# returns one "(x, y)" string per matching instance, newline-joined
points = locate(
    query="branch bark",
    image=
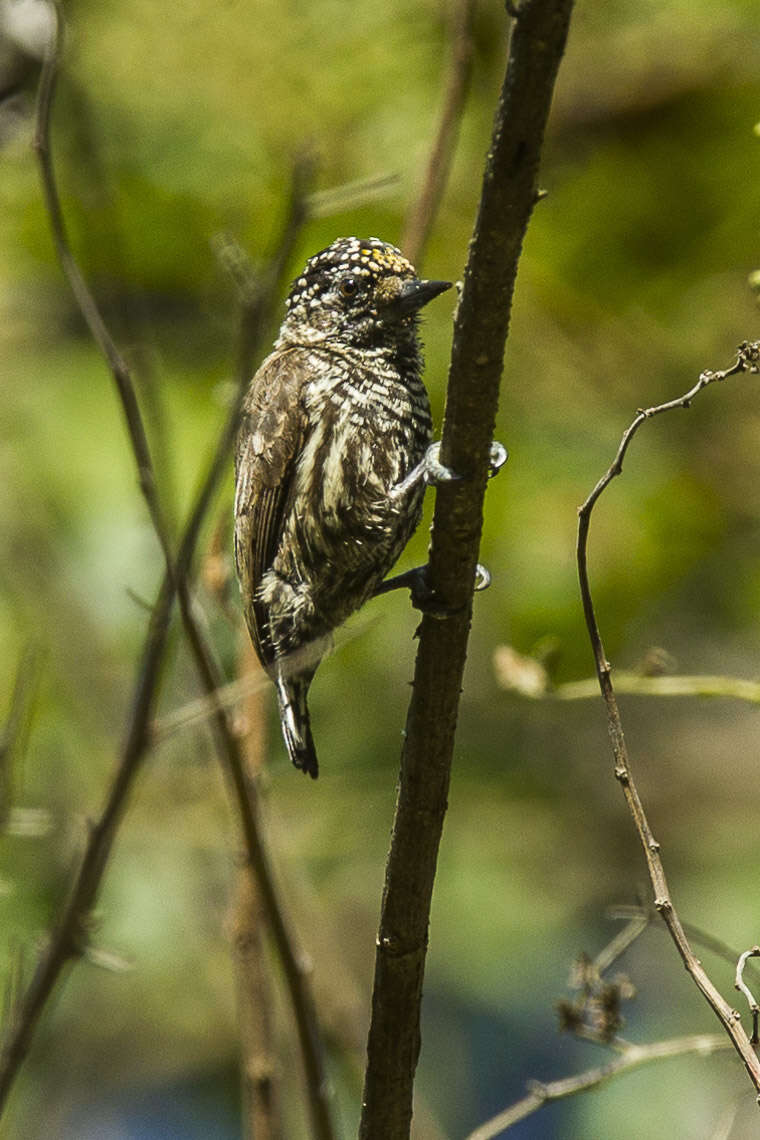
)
(508, 196)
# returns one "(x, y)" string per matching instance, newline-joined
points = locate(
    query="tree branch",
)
(507, 200)
(747, 359)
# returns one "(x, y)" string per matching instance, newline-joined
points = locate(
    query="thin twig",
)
(746, 361)
(70, 934)
(704, 1044)
(419, 221)
(615, 949)
(527, 677)
(507, 200)
(260, 1070)
(742, 986)
(689, 685)
(694, 933)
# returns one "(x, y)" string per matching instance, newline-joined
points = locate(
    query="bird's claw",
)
(423, 597)
(482, 578)
(433, 471)
(498, 457)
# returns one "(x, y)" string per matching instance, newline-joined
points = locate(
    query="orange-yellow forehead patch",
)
(385, 259)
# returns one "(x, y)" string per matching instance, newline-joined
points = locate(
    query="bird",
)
(333, 453)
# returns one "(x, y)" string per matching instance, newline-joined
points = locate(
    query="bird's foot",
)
(423, 596)
(432, 472)
(498, 457)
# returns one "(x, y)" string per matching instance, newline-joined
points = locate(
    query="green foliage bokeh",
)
(175, 124)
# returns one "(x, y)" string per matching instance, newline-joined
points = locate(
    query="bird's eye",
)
(349, 287)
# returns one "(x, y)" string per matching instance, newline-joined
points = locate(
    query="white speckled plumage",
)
(335, 419)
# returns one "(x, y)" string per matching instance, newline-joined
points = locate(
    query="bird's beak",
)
(415, 293)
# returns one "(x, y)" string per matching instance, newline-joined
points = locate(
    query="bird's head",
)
(360, 292)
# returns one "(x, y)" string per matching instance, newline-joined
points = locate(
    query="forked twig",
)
(574, 1018)
(747, 359)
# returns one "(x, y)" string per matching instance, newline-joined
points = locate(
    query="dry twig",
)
(747, 359)
(743, 988)
(540, 1093)
(580, 1017)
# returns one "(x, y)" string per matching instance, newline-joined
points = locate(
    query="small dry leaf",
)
(519, 674)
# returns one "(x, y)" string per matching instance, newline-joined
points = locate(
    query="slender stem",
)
(691, 685)
(633, 1057)
(507, 200)
(742, 986)
(746, 361)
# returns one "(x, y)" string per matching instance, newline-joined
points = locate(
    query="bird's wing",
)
(269, 442)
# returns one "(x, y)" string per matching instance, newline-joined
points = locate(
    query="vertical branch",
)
(420, 218)
(746, 361)
(507, 200)
(255, 981)
(259, 1076)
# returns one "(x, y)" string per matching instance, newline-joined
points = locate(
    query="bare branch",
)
(507, 200)
(421, 216)
(703, 1044)
(746, 361)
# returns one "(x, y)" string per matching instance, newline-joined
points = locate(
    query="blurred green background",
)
(175, 124)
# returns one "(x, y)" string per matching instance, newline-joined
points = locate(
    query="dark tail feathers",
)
(294, 719)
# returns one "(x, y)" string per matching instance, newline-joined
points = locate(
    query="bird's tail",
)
(294, 719)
